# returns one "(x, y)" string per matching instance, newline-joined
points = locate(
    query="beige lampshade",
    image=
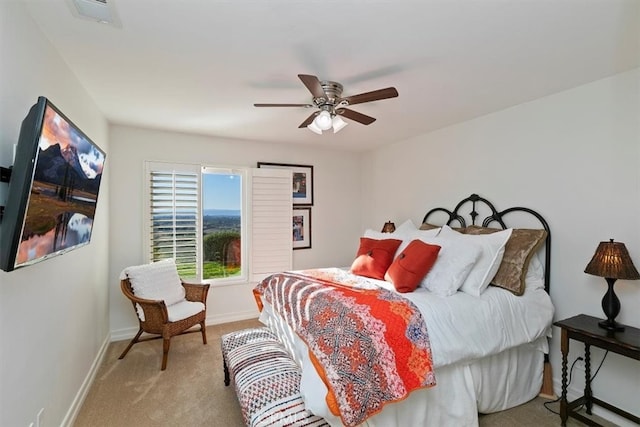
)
(612, 260)
(388, 227)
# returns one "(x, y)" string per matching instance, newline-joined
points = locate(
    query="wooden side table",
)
(585, 329)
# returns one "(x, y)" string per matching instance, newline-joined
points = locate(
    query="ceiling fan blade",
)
(313, 84)
(374, 95)
(354, 115)
(308, 120)
(283, 105)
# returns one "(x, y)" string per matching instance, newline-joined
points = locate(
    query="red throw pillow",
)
(374, 257)
(409, 268)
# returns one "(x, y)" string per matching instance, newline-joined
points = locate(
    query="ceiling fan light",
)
(338, 123)
(323, 120)
(314, 128)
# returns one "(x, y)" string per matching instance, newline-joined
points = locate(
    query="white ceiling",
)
(199, 65)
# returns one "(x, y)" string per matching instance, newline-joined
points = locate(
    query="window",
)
(221, 225)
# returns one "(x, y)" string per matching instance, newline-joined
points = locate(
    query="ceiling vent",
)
(101, 11)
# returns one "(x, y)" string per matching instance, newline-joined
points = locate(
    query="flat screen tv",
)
(53, 189)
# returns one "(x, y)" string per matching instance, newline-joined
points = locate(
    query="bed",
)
(467, 336)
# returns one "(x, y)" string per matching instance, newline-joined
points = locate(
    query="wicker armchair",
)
(182, 308)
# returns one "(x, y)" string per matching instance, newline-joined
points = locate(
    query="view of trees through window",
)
(221, 224)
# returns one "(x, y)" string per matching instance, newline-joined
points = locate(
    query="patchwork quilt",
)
(369, 345)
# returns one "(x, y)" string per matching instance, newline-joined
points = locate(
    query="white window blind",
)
(271, 228)
(174, 218)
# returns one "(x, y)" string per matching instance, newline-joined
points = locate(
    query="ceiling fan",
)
(327, 98)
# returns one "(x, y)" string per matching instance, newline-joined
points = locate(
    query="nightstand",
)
(585, 329)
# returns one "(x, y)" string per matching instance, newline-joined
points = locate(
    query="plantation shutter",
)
(271, 227)
(174, 218)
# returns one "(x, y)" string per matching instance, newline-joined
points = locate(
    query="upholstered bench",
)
(266, 380)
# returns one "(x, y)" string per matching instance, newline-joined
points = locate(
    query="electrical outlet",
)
(39, 421)
(580, 364)
(5, 174)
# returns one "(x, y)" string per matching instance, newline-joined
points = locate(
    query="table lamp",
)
(612, 261)
(388, 227)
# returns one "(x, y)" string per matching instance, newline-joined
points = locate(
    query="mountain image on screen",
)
(64, 166)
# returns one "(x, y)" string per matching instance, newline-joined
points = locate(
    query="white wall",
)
(335, 215)
(54, 316)
(574, 157)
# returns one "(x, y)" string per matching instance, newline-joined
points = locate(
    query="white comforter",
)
(462, 328)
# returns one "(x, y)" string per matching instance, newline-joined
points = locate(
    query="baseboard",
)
(573, 393)
(76, 404)
(216, 319)
(123, 334)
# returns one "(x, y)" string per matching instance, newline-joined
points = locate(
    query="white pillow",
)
(406, 227)
(454, 263)
(400, 232)
(372, 234)
(535, 274)
(424, 235)
(156, 281)
(492, 251)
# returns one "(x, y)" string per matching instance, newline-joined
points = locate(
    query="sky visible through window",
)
(221, 191)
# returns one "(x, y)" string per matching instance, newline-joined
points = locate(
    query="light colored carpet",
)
(191, 391)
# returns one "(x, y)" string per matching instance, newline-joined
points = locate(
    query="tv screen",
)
(53, 189)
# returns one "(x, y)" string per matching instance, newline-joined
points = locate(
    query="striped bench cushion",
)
(236, 339)
(266, 379)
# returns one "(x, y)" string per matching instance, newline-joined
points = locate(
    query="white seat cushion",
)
(156, 281)
(178, 311)
(183, 309)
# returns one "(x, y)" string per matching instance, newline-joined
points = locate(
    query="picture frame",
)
(301, 227)
(302, 181)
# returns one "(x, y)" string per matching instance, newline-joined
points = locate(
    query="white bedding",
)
(463, 329)
(491, 384)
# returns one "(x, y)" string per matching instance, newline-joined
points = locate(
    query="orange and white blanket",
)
(369, 345)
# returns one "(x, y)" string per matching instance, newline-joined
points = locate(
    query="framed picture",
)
(302, 181)
(301, 222)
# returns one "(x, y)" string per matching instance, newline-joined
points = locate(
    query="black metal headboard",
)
(496, 216)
